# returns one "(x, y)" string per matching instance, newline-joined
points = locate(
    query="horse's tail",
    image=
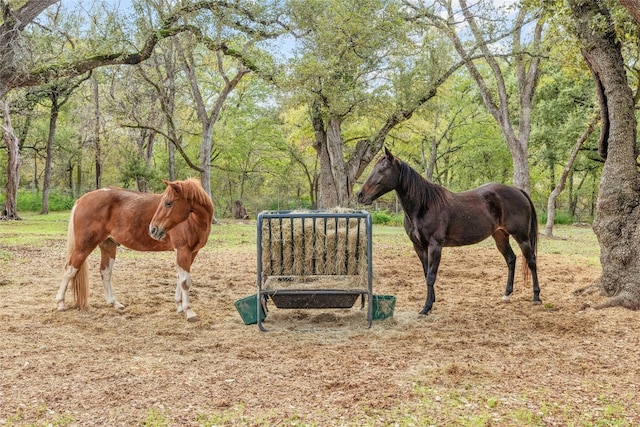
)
(533, 239)
(79, 282)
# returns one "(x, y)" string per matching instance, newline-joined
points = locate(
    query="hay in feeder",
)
(314, 246)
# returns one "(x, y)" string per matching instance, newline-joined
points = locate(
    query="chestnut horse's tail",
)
(533, 240)
(79, 282)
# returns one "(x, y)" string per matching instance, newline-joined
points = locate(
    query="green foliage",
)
(288, 204)
(559, 218)
(134, 169)
(384, 218)
(360, 60)
(32, 201)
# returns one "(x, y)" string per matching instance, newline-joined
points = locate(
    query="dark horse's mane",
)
(427, 193)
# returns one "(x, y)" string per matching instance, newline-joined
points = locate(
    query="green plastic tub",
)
(248, 309)
(383, 306)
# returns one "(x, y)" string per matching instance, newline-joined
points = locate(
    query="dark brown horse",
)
(435, 217)
(178, 220)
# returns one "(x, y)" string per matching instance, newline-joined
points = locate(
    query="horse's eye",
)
(167, 204)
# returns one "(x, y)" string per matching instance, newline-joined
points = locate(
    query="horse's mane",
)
(192, 190)
(423, 191)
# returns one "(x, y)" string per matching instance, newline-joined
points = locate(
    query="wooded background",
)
(284, 104)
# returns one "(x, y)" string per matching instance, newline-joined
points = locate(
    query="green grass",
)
(34, 228)
(572, 241)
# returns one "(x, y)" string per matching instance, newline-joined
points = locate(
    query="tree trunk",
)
(10, 211)
(496, 99)
(617, 223)
(208, 120)
(633, 7)
(145, 153)
(48, 167)
(328, 145)
(551, 203)
(205, 155)
(338, 172)
(520, 165)
(96, 132)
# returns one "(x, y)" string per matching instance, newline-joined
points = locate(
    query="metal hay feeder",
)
(314, 259)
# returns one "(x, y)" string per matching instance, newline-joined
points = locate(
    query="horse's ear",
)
(387, 153)
(173, 184)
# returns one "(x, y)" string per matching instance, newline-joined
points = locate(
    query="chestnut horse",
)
(435, 217)
(179, 219)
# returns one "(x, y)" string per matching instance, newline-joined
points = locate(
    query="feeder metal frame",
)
(288, 217)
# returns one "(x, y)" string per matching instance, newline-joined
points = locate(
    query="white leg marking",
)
(178, 297)
(184, 283)
(506, 298)
(66, 277)
(108, 289)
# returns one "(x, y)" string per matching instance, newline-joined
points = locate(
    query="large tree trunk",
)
(10, 210)
(617, 223)
(334, 182)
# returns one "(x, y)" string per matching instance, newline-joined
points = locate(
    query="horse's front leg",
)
(182, 295)
(108, 250)
(430, 259)
(178, 296)
(183, 286)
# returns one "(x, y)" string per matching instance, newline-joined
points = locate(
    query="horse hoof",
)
(423, 312)
(193, 319)
(506, 298)
(537, 302)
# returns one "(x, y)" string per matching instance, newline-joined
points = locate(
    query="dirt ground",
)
(473, 361)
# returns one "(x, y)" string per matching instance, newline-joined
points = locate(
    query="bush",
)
(32, 201)
(385, 218)
(560, 218)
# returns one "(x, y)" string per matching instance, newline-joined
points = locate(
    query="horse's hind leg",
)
(502, 242)
(108, 257)
(69, 273)
(530, 256)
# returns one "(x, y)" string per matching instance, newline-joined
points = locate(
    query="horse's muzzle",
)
(362, 199)
(156, 232)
